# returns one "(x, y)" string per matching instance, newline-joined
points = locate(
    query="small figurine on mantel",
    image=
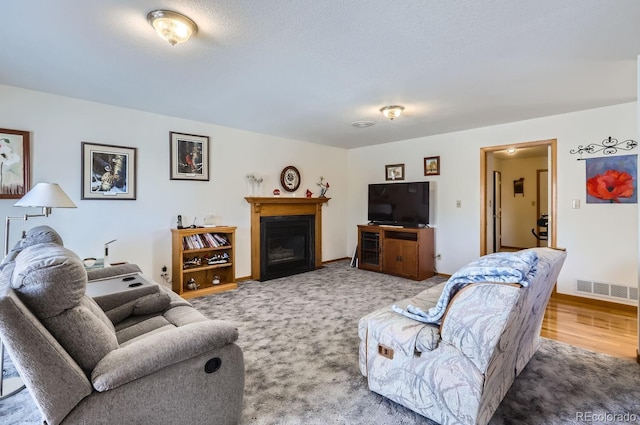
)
(324, 186)
(309, 193)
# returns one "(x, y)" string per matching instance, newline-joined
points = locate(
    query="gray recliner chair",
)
(140, 357)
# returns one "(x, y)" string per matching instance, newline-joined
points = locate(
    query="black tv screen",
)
(401, 204)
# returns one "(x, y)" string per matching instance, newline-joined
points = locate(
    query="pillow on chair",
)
(40, 234)
(51, 281)
(35, 235)
(48, 279)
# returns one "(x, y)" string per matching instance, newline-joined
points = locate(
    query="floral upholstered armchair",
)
(452, 355)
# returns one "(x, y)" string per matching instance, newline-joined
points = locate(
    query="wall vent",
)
(611, 290)
(600, 288)
(619, 291)
(584, 286)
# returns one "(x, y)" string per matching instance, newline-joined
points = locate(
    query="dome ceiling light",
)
(392, 111)
(172, 26)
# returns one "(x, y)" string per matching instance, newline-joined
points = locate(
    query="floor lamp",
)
(45, 196)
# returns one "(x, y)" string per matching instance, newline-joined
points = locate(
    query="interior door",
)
(497, 211)
(543, 206)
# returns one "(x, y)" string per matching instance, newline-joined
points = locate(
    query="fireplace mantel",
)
(279, 206)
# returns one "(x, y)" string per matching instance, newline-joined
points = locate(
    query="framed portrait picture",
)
(394, 172)
(14, 163)
(432, 166)
(189, 157)
(108, 172)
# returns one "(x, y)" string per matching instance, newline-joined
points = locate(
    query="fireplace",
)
(274, 209)
(286, 245)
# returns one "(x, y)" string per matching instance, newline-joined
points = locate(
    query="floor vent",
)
(607, 289)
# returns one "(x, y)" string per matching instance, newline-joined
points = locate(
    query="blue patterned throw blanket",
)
(502, 267)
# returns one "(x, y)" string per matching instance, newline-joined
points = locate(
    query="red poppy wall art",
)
(612, 180)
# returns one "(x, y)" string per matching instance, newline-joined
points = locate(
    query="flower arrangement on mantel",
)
(254, 185)
(324, 186)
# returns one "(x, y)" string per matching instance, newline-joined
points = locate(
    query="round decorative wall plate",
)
(290, 178)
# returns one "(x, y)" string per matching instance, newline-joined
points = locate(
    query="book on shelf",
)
(211, 240)
(204, 240)
(222, 239)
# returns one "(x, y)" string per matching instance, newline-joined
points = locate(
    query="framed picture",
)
(394, 172)
(518, 187)
(612, 180)
(108, 172)
(432, 166)
(189, 157)
(14, 163)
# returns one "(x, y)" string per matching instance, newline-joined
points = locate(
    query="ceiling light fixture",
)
(172, 26)
(392, 111)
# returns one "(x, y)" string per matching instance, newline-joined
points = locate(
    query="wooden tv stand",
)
(405, 252)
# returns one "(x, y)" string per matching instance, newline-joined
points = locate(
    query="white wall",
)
(58, 125)
(601, 239)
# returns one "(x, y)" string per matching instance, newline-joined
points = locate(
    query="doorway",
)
(491, 223)
(541, 229)
(497, 211)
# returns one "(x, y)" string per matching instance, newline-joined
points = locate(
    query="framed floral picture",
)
(432, 166)
(394, 172)
(612, 180)
(108, 172)
(14, 163)
(189, 157)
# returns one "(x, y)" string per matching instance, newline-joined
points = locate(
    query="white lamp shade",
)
(46, 195)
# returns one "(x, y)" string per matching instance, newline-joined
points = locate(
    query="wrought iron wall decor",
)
(608, 146)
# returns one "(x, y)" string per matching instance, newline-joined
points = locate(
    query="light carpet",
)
(299, 337)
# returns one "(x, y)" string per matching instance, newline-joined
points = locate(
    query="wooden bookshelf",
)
(202, 254)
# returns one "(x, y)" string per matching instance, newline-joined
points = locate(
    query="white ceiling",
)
(306, 69)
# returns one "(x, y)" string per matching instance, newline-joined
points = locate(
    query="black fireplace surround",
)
(287, 245)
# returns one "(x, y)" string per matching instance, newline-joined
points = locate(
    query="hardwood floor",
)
(601, 328)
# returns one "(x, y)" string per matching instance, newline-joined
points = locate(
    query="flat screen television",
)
(401, 204)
